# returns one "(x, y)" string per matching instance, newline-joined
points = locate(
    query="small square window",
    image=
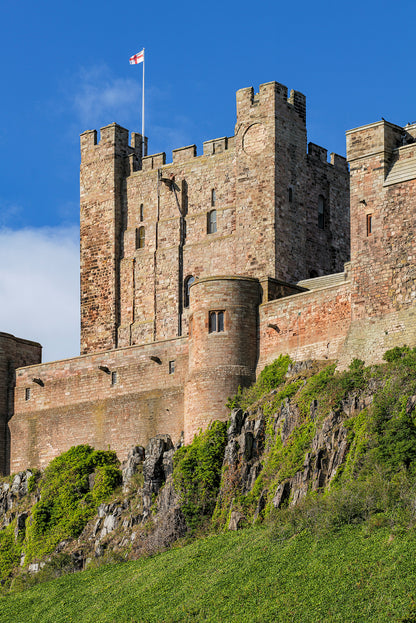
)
(171, 367)
(114, 378)
(27, 393)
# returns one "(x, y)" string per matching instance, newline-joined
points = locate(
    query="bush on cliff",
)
(197, 473)
(70, 489)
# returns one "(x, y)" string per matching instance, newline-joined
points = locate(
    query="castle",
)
(197, 273)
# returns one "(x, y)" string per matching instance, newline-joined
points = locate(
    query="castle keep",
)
(197, 273)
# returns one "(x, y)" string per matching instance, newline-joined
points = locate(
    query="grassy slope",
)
(349, 576)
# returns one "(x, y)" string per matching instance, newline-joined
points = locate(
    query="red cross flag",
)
(137, 58)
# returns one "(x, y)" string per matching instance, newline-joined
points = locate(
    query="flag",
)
(137, 58)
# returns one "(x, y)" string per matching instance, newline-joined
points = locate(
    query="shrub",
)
(68, 498)
(269, 378)
(197, 473)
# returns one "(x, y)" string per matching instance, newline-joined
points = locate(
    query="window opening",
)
(27, 393)
(186, 290)
(216, 321)
(321, 212)
(369, 224)
(212, 222)
(171, 367)
(213, 197)
(141, 212)
(140, 238)
(113, 378)
(290, 194)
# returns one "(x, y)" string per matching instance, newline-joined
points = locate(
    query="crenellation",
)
(337, 161)
(298, 101)
(88, 139)
(215, 146)
(315, 151)
(182, 154)
(154, 161)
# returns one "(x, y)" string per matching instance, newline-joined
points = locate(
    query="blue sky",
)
(65, 69)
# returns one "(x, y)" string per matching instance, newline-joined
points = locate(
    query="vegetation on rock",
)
(68, 494)
(323, 459)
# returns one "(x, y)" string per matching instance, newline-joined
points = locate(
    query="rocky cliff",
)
(301, 429)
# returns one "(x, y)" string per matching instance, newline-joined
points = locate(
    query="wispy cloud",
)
(98, 94)
(10, 214)
(97, 98)
(39, 288)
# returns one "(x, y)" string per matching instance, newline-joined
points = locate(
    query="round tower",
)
(222, 347)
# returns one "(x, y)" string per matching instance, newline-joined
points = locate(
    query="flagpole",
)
(143, 147)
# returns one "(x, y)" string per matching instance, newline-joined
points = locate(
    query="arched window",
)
(321, 212)
(212, 222)
(140, 238)
(186, 286)
(213, 197)
(141, 213)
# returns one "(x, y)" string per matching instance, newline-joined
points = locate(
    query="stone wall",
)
(14, 352)
(309, 325)
(382, 158)
(79, 400)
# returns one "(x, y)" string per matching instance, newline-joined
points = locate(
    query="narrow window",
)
(113, 378)
(369, 224)
(290, 194)
(140, 238)
(171, 367)
(321, 212)
(186, 290)
(220, 321)
(212, 222)
(216, 321)
(27, 393)
(141, 212)
(213, 197)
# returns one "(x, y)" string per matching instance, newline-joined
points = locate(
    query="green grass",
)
(352, 575)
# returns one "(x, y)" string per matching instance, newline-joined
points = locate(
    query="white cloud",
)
(98, 98)
(99, 95)
(39, 288)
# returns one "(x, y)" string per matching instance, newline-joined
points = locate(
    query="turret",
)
(222, 347)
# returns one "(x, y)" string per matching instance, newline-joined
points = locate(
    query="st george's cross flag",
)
(137, 58)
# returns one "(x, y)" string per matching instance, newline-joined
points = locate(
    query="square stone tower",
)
(258, 204)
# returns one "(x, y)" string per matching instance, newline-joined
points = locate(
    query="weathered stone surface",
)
(236, 519)
(131, 465)
(10, 494)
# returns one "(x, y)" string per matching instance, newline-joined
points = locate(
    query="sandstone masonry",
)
(197, 273)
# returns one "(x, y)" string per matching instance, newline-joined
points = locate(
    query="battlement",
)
(112, 137)
(321, 154)
(247, 99)
(212, 147)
